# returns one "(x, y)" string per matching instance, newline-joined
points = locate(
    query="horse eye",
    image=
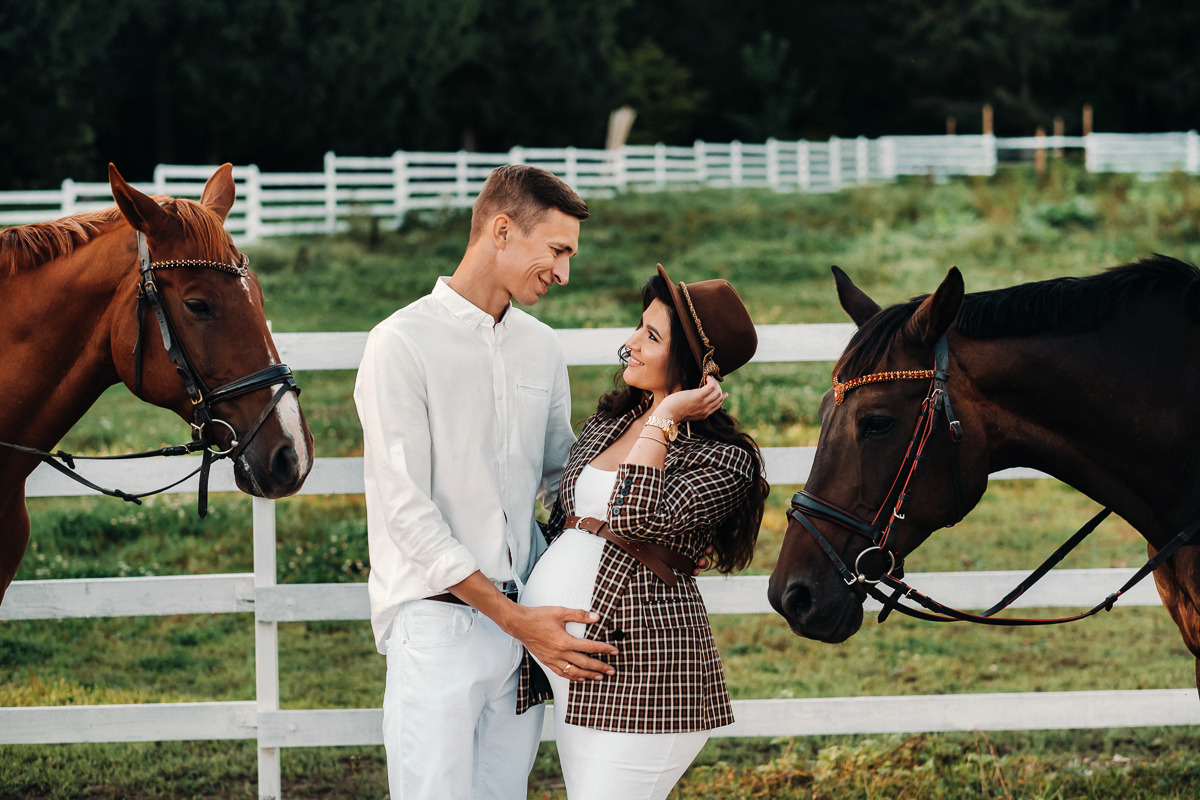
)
(200, 308)
(876, 427)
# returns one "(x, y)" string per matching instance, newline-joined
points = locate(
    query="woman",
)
(660, 477)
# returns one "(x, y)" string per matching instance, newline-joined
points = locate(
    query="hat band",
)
(708, 364)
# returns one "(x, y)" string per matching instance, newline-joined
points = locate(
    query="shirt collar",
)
(464, 309)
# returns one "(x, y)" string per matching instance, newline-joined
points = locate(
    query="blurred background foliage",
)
(278, 83)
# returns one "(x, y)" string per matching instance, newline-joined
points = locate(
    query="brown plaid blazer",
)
(668, 673)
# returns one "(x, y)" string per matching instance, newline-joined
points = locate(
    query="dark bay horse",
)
(1093, 380)
(151, 293)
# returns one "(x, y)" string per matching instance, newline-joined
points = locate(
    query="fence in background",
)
(273, 727)
(389, 188)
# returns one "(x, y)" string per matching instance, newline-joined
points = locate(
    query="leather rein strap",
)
(203, 399)
(888, 566)
(658, 558)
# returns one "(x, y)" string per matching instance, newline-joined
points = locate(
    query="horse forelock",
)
(201, 227)
(27, 246)
(873, 340)
(1078, 304)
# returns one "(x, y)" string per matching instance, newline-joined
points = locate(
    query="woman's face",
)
(650, 351)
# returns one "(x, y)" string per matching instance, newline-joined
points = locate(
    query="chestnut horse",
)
(1092, 380)
(151, 293)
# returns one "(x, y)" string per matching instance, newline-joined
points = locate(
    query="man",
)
(465, 409)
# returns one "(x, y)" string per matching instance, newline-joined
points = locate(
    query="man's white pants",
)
(450, 725)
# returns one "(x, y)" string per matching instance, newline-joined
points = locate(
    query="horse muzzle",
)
(826, 611)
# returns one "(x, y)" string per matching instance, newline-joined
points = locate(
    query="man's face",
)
(530, 263)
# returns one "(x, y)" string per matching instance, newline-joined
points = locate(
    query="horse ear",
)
(938, 311)
(219, 192)
(141, 211)
(855, 302)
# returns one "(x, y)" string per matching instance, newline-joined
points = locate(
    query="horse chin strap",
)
(882, 564)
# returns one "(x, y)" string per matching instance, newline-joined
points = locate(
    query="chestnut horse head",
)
(154, 294)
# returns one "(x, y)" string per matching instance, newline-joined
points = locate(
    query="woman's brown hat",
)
(718, 326)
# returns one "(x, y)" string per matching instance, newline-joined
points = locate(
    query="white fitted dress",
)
(596, 764)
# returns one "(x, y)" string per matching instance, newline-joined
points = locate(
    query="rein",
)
(881, 564)
(204, 420)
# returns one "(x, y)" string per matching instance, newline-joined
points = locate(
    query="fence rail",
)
(274, 728)
(388, 188)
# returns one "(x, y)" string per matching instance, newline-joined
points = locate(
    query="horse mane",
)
(27, 246)
(1075, 304)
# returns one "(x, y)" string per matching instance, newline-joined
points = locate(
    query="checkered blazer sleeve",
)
(699, 487)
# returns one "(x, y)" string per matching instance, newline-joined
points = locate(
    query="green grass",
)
(895, 241)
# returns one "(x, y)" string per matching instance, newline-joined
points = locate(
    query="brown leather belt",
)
(658, 558)
(447, 597)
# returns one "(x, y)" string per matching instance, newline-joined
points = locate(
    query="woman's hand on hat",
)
(693, 404)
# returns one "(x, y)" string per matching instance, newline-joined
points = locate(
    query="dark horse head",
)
(862, 466)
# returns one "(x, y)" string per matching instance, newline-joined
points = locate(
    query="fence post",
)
(516, 155)
(735, 162)
(330, 192)
(862, 161)
(400, 186)
(266, 647)
(835, 163)
(68, 198)
(701, 155)
(160, 179)
(660, 165)
(1192, 159)
(620, 168)
(460, 175)
(253, 204)
(572, 168)
(803, 166)
(773, 177)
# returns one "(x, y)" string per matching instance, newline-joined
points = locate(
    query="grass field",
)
(895, 241)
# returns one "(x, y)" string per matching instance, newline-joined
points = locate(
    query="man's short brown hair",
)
(525, 194)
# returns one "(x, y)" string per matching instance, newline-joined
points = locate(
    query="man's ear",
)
(501, 225)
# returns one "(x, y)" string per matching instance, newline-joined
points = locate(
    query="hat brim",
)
(684, 312)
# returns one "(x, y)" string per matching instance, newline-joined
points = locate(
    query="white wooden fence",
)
(274, 728)
(388, 188)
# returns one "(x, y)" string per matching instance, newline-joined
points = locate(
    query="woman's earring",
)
(623, 354)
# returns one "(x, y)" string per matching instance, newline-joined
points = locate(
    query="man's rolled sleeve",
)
(393, 409)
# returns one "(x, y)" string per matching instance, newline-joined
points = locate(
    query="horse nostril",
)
(285, 465)
(797, 600)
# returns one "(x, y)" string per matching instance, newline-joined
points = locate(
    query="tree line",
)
(279, 82)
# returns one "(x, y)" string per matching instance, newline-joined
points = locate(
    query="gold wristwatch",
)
(670, 427)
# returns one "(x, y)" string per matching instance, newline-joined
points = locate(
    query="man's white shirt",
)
(465, 421)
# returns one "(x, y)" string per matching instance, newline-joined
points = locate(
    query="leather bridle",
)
(204, 420)
(888, 567)
(895, 503)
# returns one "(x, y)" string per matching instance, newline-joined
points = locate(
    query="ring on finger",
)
(567, 668)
